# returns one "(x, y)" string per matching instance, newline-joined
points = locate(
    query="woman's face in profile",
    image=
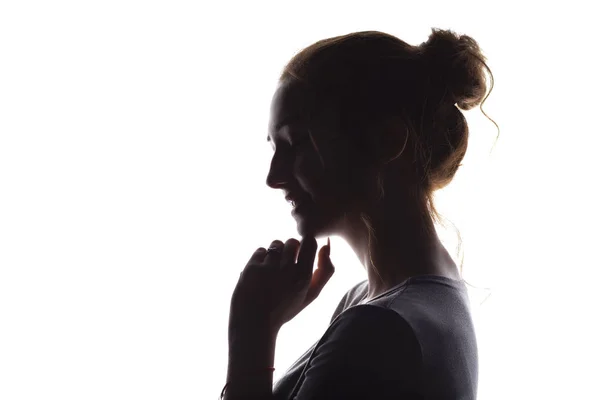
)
(315, 169)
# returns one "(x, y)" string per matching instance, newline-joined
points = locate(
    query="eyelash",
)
(295, 145)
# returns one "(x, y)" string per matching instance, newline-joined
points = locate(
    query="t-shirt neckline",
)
(417, 278)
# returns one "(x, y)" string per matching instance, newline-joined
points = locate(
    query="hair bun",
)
(457, 65)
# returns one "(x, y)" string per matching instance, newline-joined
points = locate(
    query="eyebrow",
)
(285, 121)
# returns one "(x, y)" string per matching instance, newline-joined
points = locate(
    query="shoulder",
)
(349, 298)
(375, 336)
(375, 325)
(368, 351)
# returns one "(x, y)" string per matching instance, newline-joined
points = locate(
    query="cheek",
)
(309, 173)
(330, 185)
(348, 181)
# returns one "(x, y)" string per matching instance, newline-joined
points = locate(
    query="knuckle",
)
(292, 241)
(251, 269)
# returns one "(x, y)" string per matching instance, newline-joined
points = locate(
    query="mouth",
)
(296, 204)
(298, 208)
(292, 200)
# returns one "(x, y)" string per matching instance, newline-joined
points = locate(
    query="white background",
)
(132, 190)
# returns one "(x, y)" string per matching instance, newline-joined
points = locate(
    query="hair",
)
(370, 76)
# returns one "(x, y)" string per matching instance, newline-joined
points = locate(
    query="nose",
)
(278, 175)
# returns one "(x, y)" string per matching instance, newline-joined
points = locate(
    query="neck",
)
(395, 241)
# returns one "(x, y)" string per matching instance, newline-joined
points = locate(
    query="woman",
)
(364, 129)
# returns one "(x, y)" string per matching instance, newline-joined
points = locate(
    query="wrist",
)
(252, 351)
(251, 330)
(250, 368)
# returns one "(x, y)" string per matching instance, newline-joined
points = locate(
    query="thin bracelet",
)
(225, 387)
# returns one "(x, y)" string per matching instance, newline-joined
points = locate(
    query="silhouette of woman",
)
(365, 128)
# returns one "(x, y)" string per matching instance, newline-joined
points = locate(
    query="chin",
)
(306, 230)
(309, 225)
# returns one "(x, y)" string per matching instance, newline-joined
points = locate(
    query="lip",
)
(295, 199)
(298, 208)
(299, 202)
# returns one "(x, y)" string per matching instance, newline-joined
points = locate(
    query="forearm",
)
(251, 353)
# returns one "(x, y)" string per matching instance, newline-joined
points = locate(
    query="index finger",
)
(306, 257)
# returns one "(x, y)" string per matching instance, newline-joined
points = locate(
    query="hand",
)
(273, 288)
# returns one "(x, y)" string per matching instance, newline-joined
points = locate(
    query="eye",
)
(297, 142)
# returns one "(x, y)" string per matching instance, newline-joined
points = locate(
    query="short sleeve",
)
(369, 352)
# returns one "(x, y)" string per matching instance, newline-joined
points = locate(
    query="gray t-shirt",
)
(415, 341)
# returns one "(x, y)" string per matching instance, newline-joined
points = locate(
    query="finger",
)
(321, 276)
(274, 257)
(306, 258)
(290, 253)
(324, 260)
(317, 283)
(258, 256)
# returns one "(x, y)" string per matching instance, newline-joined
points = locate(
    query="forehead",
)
(294, 103)
(289, 100)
